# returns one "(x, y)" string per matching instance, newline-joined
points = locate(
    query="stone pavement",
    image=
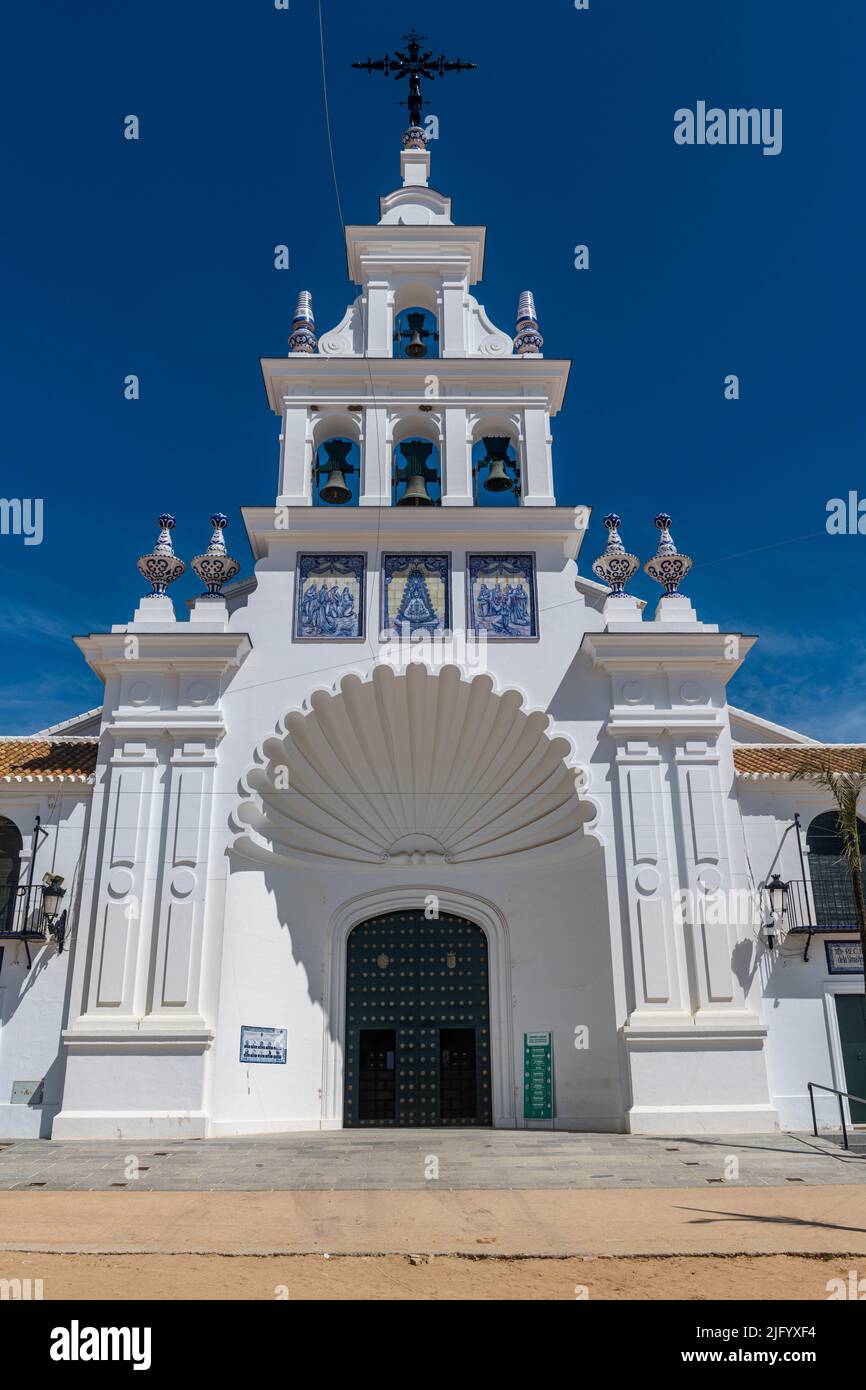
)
(353, 1160)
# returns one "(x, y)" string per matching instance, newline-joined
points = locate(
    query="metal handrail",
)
(816, 1085)
(21, 910)
(821, 903)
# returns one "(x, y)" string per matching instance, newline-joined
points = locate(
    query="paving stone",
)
(498, 1160)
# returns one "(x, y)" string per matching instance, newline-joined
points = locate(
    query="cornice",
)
(472, 528)
(182, 650)
(658, 650)
(400, 248)
(398, 383)
(679, 723)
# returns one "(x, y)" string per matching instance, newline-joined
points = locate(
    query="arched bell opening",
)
(416, 471)
(10, 868)
(496, 480)
(416, 334)
(336, 471)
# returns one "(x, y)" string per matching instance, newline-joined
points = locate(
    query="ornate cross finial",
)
(415, 63)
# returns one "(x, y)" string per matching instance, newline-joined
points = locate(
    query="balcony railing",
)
(22, 914)
(825, 903)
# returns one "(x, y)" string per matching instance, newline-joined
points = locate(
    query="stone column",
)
(453, 319)
(296, 457)
(538, 459)
(380, 318)
(375, 463)
(456, 459)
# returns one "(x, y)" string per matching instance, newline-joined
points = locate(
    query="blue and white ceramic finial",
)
(216, 567)
(303, 335)
(616, 566)
(161, 567)
(415, 138)
(527, 336)
(667, 567)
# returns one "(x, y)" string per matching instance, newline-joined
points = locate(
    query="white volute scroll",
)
(412, 768)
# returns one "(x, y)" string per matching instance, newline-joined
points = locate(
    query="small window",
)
(832, 891)
(10, 868)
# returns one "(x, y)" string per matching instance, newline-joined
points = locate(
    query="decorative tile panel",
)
(329, 605)
(416, 593)
(501, 596)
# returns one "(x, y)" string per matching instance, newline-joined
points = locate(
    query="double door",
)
(417, 1022)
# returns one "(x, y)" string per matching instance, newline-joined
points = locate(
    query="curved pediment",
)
(418, 767)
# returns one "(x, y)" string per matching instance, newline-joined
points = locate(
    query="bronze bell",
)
(416, 474)
(335, 489)
(416, 333)
(416, 494)
(497, 461)
(416, 347)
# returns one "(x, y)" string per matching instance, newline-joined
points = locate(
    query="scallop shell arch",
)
(416, 767)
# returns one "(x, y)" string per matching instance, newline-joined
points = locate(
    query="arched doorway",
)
(417, 1022)
(10, 866)
(832, 891)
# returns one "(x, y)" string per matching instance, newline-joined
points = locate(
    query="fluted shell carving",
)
(411, 768)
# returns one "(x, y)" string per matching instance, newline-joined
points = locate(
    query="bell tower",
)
(415, 360)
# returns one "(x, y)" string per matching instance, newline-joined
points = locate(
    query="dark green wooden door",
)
(851, 1012)
(417, 1022)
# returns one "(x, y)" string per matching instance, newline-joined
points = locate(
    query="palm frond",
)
(846, 789)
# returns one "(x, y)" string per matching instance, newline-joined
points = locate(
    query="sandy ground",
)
(672, 1221)
(304, 1277)
(763, 1243)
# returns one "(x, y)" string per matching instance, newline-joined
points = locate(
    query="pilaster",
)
(695, 1050)
(136, 997)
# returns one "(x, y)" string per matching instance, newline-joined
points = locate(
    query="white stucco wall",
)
(797, 995)
(33, 1001)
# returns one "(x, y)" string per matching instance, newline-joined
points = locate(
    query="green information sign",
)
(537, 1076)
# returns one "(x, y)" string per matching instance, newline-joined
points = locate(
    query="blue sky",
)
(155, 257)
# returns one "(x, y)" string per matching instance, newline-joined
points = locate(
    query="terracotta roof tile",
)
(780, 760)
(47, 757)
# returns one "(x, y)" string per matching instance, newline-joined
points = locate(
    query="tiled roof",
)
(781, 759)
(32, 759)
(71, 728)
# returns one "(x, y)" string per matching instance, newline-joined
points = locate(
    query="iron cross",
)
(414, 64)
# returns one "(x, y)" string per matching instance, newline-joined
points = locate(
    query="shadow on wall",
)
(556, 958)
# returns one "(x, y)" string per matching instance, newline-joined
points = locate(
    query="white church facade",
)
(420, 825)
